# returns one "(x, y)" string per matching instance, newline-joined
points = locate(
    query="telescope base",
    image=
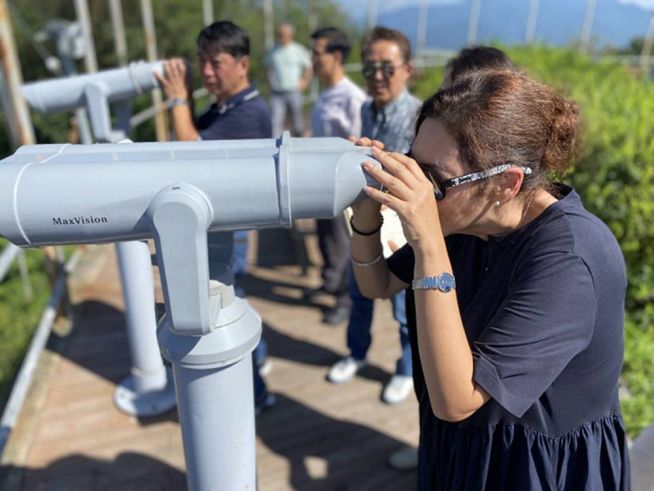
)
(145, 404)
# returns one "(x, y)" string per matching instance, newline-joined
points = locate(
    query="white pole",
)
(120, 41)
(588, 25)
(421, 29)
(372, 13)
(161, 123)
(312, 16)
(11, 79)
(268, 23)
(647, 48)
(207, 12)
(473, 22)
(530, 32)
(83, 17)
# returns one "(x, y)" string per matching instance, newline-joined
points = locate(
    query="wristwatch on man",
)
(177, 101)
(444, 282)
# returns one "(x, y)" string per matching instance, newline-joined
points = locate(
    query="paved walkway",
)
(318, 436)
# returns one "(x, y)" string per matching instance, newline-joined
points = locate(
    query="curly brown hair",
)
(501, 116)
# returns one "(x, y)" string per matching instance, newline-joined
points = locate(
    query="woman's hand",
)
(367, 211)
(173, 82)
(409, 193)
(364, 141)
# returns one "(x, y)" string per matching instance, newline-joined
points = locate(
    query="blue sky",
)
(559, 22)
(385, 5)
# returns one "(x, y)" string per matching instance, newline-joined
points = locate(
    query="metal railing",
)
(10, 254)
(25, 375)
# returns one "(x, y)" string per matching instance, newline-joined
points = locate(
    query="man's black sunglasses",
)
(369, 69)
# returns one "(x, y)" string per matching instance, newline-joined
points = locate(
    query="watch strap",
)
(177, 101)
(444, 282)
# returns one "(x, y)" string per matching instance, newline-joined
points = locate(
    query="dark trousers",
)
(335, 244)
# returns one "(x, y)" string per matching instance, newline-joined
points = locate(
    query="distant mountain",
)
(559, 22)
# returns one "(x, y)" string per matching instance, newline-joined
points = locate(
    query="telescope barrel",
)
(68, 93)
(61, 194)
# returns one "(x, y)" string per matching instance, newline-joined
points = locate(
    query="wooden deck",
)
(318, 436)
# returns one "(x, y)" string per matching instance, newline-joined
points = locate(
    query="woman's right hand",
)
(366, 210)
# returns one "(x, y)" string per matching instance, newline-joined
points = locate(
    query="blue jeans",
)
(259, 358)
(218, 246)
(358, 329)
(260, 353)
(240, 253)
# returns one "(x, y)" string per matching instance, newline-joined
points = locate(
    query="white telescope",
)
(176, 192)
(93, 91)
(63, 194)
(147, 390)
(69, 93)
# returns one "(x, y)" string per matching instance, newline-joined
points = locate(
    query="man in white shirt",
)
(336, 113)
(288, 67)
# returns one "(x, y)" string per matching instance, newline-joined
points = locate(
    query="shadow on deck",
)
(318, 435)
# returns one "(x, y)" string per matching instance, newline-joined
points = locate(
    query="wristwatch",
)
(177, 101)
(444, 282)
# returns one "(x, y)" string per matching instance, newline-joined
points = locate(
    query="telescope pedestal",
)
(148, 390)
(175, 193)
(215, 394)
(130, 400)
(207, 334)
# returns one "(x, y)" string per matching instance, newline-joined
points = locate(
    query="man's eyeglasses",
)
(441, 186)
(387, 68)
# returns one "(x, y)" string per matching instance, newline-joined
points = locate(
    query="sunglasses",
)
(441, 186)
(387, 68)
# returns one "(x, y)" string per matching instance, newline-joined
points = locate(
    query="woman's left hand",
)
(409, 193)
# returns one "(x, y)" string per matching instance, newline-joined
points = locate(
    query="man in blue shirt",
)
(239, 112)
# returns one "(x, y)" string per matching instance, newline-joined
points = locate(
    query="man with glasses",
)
(239, 112)
(337, 112)
(389, 116)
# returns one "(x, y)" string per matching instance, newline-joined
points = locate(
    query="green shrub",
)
(615, 177)
(19, 316)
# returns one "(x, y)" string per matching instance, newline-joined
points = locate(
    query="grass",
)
(19, 316)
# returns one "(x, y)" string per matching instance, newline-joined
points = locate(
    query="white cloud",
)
(643, 4)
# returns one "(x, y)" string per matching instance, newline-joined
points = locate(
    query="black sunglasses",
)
(440, 186)
(369, 69)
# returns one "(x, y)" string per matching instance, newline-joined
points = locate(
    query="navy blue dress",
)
(543, 310)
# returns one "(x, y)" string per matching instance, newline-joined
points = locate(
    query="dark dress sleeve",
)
(546, 320)
(401, 263)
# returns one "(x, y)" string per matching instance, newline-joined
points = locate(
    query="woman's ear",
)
(510, 184)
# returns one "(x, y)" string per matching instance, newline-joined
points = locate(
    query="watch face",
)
(445, 282)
